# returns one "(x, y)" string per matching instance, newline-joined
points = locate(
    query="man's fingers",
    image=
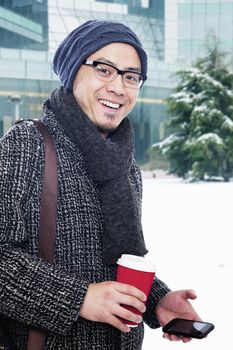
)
(132, 301)
(130, 290)
(117, 323)
(173, 337)
(128, 315)
(104, 302)
(190, 294)
(186, 340)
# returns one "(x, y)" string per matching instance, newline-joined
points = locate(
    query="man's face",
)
(107, 103)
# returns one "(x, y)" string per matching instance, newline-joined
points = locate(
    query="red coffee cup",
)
(136, 271)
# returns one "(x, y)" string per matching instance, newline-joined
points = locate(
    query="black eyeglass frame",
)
(93, 63)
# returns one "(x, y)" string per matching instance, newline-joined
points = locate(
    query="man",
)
(102, 67)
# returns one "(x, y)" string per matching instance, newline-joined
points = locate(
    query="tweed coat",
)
(32, 292)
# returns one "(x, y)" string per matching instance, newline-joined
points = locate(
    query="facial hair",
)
(106, 130)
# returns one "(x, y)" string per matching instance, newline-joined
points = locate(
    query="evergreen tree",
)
(201, 107)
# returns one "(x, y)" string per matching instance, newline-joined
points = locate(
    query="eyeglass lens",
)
(109, 73)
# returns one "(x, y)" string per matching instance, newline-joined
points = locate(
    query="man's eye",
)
(103, 70)
(132, 77)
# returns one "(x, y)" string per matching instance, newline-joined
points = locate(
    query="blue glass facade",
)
(24, 24)
(201, 21)
(26, 56)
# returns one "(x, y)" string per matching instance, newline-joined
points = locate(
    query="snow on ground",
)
(188, 229)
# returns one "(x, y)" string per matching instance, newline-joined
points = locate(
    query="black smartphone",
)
(188, 328)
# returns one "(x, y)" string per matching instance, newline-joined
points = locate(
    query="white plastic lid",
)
(136, 262)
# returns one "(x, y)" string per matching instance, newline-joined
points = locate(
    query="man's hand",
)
(176, 304)
(103, 303)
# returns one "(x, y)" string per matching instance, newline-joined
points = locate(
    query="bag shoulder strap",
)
(48, 219)
(48, 211)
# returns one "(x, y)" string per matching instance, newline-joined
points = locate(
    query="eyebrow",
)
(104, 60)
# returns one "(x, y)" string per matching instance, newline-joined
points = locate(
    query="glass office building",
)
(24, 58)
(173, 33)
(24, 24)
(26, 69)
(191, 24)
(199, 21)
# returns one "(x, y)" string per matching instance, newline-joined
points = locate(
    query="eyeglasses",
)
(106, 72)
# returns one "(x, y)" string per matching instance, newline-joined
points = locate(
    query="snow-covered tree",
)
(201, 144)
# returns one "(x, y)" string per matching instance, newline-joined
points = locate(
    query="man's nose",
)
(117, 85)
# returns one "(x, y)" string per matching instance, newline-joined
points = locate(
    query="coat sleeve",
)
(158, 290)
(32, 291)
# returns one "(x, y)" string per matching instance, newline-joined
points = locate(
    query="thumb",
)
(190, 294)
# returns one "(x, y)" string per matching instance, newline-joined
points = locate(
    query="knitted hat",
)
(87, 39)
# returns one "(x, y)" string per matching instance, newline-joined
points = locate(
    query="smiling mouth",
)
(110, 104)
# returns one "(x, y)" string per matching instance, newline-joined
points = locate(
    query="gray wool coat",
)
(34, 293)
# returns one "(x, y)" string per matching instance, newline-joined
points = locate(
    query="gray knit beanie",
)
(87, 39)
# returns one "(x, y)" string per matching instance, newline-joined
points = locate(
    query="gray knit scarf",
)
(108, 162)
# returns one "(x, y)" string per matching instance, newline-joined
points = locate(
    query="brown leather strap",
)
(48, 219)
(48, 212)
(36, 339)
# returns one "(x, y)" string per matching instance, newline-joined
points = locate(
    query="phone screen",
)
(188, 328)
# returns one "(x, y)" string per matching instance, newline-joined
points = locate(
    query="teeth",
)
(110, 104)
